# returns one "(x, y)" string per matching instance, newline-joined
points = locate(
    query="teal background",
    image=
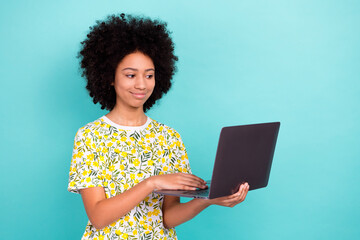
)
(240, 62)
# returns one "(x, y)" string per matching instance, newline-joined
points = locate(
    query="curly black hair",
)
(109, 41)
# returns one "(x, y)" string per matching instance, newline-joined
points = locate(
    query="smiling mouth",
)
(138, 95)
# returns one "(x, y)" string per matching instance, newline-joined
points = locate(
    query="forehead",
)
(136, 60)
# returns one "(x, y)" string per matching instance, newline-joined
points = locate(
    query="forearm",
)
(109, 210)
(179, 213)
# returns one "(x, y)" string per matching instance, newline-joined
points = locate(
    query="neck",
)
(127, 116)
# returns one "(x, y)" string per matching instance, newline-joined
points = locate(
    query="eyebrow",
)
(134, 69)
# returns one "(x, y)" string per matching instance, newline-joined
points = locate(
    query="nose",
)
(140, 83)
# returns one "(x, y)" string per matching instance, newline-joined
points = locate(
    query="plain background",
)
(240, 62)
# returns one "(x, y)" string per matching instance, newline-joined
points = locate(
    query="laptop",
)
(244, 154)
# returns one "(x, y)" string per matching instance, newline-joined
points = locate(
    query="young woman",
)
(120, 158)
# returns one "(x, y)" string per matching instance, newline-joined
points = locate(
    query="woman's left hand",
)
(232, 200)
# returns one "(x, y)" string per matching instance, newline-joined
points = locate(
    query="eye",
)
(130, 75)
(149, 76)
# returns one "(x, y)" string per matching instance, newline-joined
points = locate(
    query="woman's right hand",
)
(177, 181)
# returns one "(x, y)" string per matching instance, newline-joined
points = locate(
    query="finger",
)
(243, 187)
(195, 178)
(189, 183)
(238, 197)
(241, 193)
(233, 200)
(192, 176)
(229, 202)
(194, 182)
(183, 187)
(234, 197)
(244, 193)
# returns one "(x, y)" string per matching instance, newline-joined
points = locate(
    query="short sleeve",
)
(84, 167)
(183, 164)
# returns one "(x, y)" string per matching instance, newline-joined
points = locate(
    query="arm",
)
(103, 211)
(176, 213)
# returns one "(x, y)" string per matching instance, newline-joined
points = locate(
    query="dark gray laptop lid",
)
(244, 154)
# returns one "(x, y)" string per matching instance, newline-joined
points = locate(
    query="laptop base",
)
(200, 193)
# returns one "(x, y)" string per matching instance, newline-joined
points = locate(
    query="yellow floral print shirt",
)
(117, 158)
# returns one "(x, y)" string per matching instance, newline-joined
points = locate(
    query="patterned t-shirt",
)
(117, 158)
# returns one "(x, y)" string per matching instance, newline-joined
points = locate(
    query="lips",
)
(138, 95)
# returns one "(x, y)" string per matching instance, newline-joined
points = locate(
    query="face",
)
(134, 80)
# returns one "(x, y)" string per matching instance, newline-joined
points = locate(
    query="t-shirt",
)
(116, 158)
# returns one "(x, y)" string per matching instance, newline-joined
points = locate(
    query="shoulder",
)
(95, 127)
(165, 130)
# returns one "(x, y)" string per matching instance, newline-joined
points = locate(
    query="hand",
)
(177, 181)
(232, 200)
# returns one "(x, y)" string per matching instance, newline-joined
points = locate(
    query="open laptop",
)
(244, 154)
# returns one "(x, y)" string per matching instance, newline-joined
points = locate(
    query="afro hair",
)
(109, 41)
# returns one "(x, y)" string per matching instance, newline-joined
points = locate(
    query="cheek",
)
(121, 85)
(121, 92)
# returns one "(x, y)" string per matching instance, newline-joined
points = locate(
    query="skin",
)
(134, 82)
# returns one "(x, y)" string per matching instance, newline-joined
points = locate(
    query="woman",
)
(120, 158)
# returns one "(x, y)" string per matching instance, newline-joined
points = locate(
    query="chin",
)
(136, 106)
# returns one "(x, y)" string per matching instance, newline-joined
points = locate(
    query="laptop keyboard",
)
(201, 192)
